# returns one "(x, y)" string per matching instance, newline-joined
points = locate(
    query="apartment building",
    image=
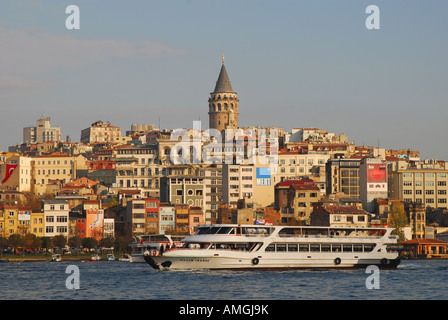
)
(16, 174)
(57, 167)
(42, 132)
(301, 198)
(293, 164)
(167, 214)
(56, 214)
(342, 175)
(136, 213)
(138, 167)
(237, 183)
(101, 132)
(421, 185)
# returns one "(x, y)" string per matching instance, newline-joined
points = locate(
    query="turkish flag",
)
(9, 170)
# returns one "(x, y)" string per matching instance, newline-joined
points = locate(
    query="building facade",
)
(100, 132)
(56, 214)
(426, 186)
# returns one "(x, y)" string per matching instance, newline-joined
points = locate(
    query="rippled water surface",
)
(422, 280)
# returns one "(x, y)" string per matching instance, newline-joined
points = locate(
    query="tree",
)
(15, 241)
(398, 219)
(89, 243)
(59, 241)
(31, 241)
(107, 242)
(46, 241)
(3, 244)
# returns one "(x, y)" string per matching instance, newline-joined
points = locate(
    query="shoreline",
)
(47, 258)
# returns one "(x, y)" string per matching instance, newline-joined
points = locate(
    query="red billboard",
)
(377, 177)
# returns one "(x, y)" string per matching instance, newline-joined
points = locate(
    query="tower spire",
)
(223, 58)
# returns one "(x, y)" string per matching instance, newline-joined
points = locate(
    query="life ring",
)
(337, 261)
(255, 261)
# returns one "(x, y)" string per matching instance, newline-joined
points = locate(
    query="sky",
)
(293, 64)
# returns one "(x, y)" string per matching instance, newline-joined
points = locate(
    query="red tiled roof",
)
(424, 241)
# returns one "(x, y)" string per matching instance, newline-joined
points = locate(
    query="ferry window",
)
(270, 247)
(213, 230)
(281, 247)
(368, 247)
(304, 248)
(224, 230)
(201, 230)
(336, 248)
(314, 247)
(292, 247)
(347, 247)
(357, 247)
(325, 248)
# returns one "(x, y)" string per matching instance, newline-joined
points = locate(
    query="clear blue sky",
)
(293, 64)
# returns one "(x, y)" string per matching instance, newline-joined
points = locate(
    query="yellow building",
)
(37, 225)
(8, 220)
(55, 169)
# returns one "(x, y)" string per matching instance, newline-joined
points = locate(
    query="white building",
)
(56, 217)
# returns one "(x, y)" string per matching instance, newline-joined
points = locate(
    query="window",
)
(292, 247)
(179, 192)
(49, 219)
(61, 219)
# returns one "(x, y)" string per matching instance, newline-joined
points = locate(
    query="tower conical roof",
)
(223, 82)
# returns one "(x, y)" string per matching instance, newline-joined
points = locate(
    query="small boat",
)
(56, 258)
(124, 257)
(110, 257)
(95, 257)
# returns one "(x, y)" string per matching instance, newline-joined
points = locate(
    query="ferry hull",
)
(223, 263)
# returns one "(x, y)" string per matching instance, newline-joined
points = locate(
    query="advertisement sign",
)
(24, 215)
(94, 224)
(263, 176)
(377, 177)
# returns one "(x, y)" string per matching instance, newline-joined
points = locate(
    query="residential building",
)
(100, 132)
(333, 214)
(136, 213)
(167, 220)
(182, 218)
(16, 174)
(343, 176)
(59, 167)
(37, 224)
(294, 164)
(237, 183)
(56, 214)
(42, 132)
(301, 198)
(422, 185)
(195, 219)
(152, 215)
(183, 189)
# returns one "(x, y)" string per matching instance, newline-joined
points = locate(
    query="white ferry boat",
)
(228, 246)
(153, 243)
